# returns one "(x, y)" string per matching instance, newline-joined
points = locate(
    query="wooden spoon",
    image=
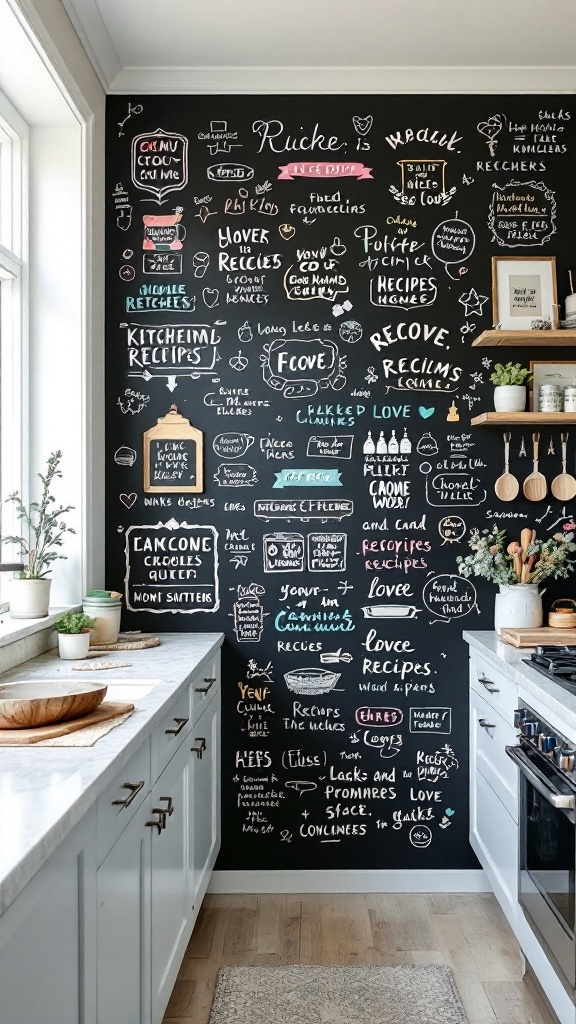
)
(506, 486)
(535, 486)
(563, 486)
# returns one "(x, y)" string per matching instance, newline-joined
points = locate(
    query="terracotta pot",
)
(29, 599)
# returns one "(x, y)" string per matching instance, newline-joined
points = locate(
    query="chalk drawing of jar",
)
(163, 231)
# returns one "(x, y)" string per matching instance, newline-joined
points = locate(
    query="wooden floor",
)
(467, 932)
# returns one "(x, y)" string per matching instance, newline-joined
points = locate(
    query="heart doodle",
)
(362, 124)
(210, 296)
(450, 811)
(287, 231)
(128, 499)
(426, 413)
(491, 127)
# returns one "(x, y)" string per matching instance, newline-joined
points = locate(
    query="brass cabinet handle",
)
(485, 724)
(134, 788)
(161, 823)
(204, 689)
(170, 808)
(180, 723)
(200, 749)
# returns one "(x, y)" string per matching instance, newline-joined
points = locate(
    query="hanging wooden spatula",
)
(506, 486)
(535, 486)
(563, 486)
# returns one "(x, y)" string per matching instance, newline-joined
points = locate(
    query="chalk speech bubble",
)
(238, 475)
(449, 597)
(232, 445)
(451, 529)
(300, 786)
(453, 241)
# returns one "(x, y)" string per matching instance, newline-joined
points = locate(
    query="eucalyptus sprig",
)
(43, 527)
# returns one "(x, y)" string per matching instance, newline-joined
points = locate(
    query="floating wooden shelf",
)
(555, 339)
(511, 419)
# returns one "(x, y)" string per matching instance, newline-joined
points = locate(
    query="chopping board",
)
(535, 637)
(107, 710)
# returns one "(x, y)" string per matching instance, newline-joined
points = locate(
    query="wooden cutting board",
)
(107, 710)
(534, 637)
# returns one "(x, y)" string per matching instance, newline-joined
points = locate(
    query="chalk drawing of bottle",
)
(381, 446)
(405, 444)
(393, 446)
(369, 446)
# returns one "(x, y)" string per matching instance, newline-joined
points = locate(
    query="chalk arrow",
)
(171, 382)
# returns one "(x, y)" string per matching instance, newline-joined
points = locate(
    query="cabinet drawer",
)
(204, 686)
(496, 688)
(168, 736)
(496, 844)
(490, 734)
(118, 804)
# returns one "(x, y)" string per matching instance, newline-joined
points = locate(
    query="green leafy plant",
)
(74, 622)
(43, 527)
(512, 373)
(528, 561)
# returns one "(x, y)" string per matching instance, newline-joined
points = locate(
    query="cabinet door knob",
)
(199, 750)
(180, 723)
(170, 805)
(134, 788)
(485, 724)
(161, 823)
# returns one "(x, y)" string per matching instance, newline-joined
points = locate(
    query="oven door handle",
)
(562, 801)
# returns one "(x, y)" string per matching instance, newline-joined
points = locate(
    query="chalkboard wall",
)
(302, 278)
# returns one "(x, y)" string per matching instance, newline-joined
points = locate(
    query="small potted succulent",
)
(42, 532)
(510, 389)
(74, 630)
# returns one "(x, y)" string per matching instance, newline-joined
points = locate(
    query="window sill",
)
(12, 630)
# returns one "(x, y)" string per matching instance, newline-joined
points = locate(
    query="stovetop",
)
(557, 663)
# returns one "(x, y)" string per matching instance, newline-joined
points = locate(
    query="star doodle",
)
(472, 302)
(486, 363)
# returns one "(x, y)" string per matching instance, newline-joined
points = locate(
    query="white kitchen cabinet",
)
(123, 887)
(47, 940)
(494, 784)
(171, 899)
(205, 799)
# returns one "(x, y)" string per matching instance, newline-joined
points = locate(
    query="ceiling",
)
(329, 45)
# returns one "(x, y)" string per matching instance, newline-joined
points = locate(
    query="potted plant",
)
(73, 630)
(510, 390)
(519, 568)
(43, 529)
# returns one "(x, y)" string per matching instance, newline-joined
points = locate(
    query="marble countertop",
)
(552, 699)
(45, 791)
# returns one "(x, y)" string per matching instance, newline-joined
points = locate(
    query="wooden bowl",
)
(45, 701)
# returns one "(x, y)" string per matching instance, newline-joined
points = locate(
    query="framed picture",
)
(561, 373)
(524, 293)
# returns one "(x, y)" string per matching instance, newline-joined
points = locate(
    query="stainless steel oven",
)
(548, 839)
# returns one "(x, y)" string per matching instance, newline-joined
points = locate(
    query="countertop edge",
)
(165, 695)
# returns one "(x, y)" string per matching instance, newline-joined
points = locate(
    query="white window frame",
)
(14, 316)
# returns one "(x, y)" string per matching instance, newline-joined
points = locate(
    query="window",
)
(13, 294)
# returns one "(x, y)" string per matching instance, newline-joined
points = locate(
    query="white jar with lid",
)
(106, 610)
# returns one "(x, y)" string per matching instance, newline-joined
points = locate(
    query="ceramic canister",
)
(570, 399)
(550, 398)
(106, 611)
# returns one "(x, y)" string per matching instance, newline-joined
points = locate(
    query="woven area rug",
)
(336, 995)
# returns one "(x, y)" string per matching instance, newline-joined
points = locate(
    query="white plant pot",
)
(510, 398)
(73, 646)
(29, 599)
(518, 606)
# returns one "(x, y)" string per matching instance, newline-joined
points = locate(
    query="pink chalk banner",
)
(323, 170)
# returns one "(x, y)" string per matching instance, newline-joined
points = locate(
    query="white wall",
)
(67, 396)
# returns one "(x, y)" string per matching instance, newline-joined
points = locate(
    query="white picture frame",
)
(524, 291)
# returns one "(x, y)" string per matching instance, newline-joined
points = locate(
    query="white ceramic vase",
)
(510, 398)
(73, 646)
(29, 599)
(518, 606)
